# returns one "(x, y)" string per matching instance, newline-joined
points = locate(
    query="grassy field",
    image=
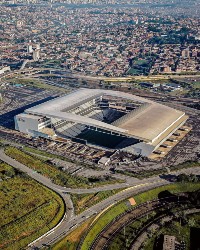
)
(70, 242)
(141, 62)
(83, 201)
(134, 71)
(44, 153)
(121, 207)
(196, 85)
(28, 209)
(55, 174)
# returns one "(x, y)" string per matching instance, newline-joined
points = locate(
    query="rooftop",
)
(152, 121)
(75, 98)
(147, 124)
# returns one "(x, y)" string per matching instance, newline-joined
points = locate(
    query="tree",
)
(191, 222)
(193, 178)
(182, 178)
(195, 197)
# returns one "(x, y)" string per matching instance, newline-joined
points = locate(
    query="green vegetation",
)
(190, 88)
(58, 176)
(172, 188)
(83, 201)
(172, 36)
(44, 153)
(196, 85)
(134, 71)
(180, 230)
(50, 155)
(107, 217)
(121, 207)
(133, 229)
(140, 65)
(184, 178)
(141, 62)
(28, 209)
(70, 242)
(130, 231)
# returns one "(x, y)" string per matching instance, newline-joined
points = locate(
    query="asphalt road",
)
(76, 75)
(70, 221)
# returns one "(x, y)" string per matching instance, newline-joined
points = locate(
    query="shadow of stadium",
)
(7, 119)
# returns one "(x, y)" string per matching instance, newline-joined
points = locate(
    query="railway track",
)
(105, 237)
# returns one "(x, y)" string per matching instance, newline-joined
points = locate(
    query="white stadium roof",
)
(147, 125)
(74, 98)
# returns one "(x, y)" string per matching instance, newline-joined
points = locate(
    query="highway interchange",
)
(70, 220)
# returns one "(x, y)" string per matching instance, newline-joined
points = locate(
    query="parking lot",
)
(18, 98)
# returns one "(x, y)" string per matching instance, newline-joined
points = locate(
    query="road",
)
(110, 79)
(70, 221)
(150, 77)
(38, 177)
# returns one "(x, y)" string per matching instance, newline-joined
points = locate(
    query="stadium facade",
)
(107, 118)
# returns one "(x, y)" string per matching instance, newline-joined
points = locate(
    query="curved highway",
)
(70, 221)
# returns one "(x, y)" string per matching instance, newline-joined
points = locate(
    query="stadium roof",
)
(77, 97)
(152, 121)
(148, 124)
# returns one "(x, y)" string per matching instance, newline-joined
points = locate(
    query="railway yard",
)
(105, 238)
(141, 221)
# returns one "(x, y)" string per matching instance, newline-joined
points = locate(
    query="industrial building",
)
(105, 118)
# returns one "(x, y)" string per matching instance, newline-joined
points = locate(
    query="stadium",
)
(105, 118)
